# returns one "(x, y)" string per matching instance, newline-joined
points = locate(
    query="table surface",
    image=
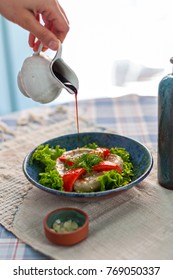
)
(131, 115)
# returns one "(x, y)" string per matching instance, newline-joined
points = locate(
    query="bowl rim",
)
(90, 194)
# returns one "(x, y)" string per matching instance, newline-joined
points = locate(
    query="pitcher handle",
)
(59, 51)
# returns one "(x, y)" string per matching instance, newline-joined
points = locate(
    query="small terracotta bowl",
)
(64, 215)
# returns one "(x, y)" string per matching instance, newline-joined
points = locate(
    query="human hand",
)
(28, 13)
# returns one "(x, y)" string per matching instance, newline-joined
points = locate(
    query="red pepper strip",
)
(66, 160)
(106, 166)
(103, 152)
(70, 177)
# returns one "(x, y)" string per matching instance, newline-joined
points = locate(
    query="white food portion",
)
(88, 183)
(72, 155)
(116, 159)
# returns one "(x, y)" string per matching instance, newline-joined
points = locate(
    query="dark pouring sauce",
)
(57, 71)
(73, 89)
(77, 115)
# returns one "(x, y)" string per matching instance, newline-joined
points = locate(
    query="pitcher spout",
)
(63, 73)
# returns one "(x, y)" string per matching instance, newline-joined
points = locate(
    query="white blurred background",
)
(116, 47)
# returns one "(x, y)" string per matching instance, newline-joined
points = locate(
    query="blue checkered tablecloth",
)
(131, 115)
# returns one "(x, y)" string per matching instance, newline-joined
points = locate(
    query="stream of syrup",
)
(77, 114)
(77, 121)
(70, 86)
(73, 89)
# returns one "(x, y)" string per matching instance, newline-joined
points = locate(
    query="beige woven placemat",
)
(134, 224)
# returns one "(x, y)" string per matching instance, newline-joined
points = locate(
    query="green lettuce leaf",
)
(113, 179)
(122, 152)
(91, 146)
(51, 179)
(47, 155)
(110, 180)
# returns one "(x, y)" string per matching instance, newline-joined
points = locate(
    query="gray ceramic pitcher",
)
(42, 78)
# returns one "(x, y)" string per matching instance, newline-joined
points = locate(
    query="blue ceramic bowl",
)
(140, 156)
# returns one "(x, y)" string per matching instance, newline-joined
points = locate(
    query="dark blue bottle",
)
(165, 131)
